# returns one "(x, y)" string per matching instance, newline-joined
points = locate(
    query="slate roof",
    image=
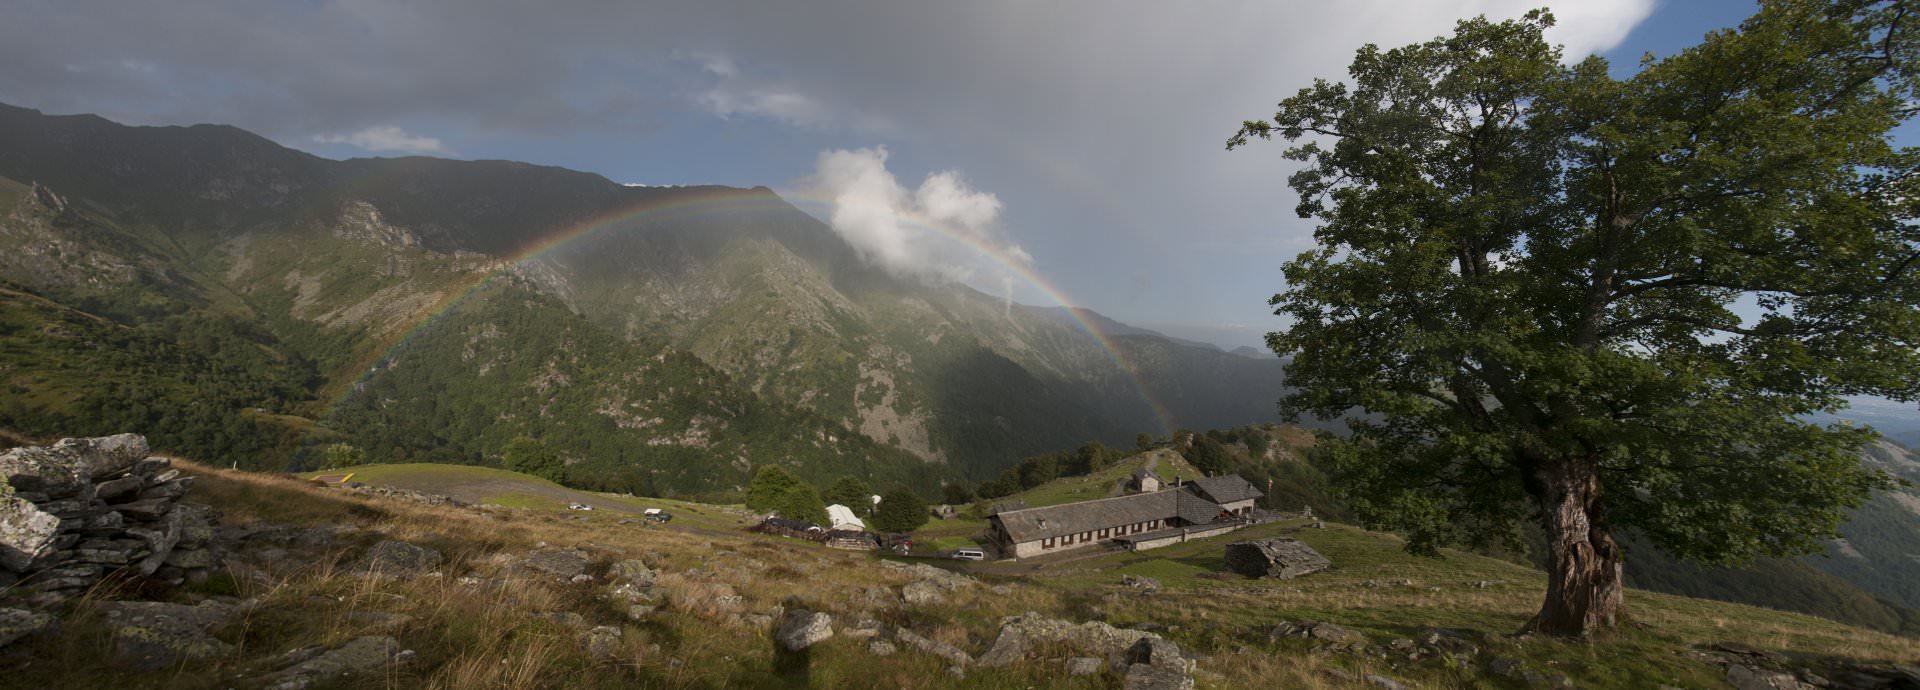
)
(1225, 488)
(1092, 516)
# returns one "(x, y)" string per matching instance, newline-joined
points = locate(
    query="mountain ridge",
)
(338, 260)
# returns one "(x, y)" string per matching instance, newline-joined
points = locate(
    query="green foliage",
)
(341, 455)
(901, 510)
(799, 501)
(527, 456)
(956, 494)
(1207, 454)
(852, 492)
(1143, 441)
(770, 482)
(630, 414)
(208, 387)
(1527, 272)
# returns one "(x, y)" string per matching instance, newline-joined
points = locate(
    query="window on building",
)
(1046, 543)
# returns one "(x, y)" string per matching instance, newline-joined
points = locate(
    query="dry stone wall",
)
(83, 508)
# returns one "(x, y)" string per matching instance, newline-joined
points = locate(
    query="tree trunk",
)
(1584, 591)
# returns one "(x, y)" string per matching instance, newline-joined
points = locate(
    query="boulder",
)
(151, 635)
(1141, 582)
(563, 563)
(602, 642)
(113, 490)
(161, 537)
(394, 557)
(1276, 557)
(1157, 651)
(1157, 664)
(1020, 635)
(880, 647)
(146, 509)
(19, 623)
(1325, 633)
(360, 656)
(958, 657)
(26, 532)
(1083, 666)
(803, 628)
(1149, 677)
(923, 593)
(172, 489)
(106, 456)
(633, 572)
(44, 471)
(1750, 678)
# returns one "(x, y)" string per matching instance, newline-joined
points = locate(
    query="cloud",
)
(773, 103)
(942, 230)
(1100, 122)
(387, 139)
(733, 94)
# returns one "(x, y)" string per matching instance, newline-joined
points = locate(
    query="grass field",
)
(506, 488)
(1375, 589)
(1100, 483)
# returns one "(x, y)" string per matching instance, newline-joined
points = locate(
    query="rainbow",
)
(681, 202)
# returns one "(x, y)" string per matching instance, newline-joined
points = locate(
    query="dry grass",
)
(493, 636)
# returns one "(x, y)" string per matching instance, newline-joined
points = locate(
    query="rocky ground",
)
(319, 587)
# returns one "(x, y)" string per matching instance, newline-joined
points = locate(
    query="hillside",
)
(498, 609)
(1845, 585)
(334, 269)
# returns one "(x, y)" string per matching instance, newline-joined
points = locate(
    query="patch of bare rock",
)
(82, 508)
(1750, 668)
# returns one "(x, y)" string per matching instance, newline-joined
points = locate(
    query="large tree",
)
(1607, 304)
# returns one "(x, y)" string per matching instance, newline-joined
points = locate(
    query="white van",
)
(970, 554)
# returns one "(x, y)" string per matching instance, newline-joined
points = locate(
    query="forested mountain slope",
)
(327, 267)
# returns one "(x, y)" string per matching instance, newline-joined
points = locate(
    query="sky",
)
(1072, 148)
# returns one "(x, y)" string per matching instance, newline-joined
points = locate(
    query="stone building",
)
(1136, 521)
(1231, 491)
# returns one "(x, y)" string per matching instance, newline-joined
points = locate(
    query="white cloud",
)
(943, 230)
(385, 139)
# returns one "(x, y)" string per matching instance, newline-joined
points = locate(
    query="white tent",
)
(842, 517)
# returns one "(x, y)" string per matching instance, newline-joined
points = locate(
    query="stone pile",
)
(1278, 557)
(83, 508)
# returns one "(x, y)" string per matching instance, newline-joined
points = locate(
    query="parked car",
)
(579, 506)
(657, 515)
(970, 554)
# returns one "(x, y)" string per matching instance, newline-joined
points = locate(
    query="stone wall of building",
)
(81, 509)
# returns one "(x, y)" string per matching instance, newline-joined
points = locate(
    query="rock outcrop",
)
(83, 508)
(1022, 635)
(1277, 557)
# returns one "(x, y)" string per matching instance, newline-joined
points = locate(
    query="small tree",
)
(800, 501)
(956, 494)
(769, 482)
(1143, 441)
(527, 456)
(341, 455)
(901, 510)
(852, 492)
(1532, 275)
